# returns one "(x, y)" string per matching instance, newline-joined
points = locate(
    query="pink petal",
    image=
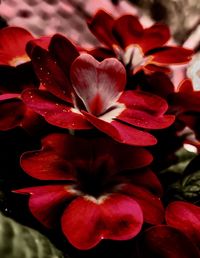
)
(9, 96)
(150, 204)
(98, 85)
(128, 30)
(121, 132)
(55, 113)
(47, 165)
(166, 242)
(171, 55)
(185, 217)
(46, 202)
(50, 75)
(114, 217)
(12, 43)
(101, 26)
(63, 51)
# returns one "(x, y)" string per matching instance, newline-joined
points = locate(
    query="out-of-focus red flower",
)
(185, 217)
(16, 74)
(93, 96)
(136, 47)
(94, 195)
(13, 42)
(183, 101)
(164, 241)
(180, 238)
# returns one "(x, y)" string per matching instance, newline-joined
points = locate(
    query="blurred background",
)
(46, 17)
(69, 17)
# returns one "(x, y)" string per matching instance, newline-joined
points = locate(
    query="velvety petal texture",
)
(114, 217)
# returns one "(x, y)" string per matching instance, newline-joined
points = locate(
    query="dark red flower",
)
(16, 74)
(136, 47)
(93, 192)
(94, 96)
(164, 241)
(185, 217)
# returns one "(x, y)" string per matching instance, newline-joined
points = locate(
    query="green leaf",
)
(191, 185)
(18, 241)
(183, 159)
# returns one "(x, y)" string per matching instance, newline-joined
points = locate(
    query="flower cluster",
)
(111, 121)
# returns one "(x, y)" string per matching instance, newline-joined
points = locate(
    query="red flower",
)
(179, 239)
(13, 42)
(136, 47)
(185, 217)
(16, 74)
(95, 97)
(166, 242)
(96, 195)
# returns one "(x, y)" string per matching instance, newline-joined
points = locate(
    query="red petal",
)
(55, 113)
(122, 217)
(121, 132)
(128, 30)
(9, 96)
(114, 217)
(148, 180)
(98, 84)
(154, 37)
(64, 52)
(41, 42)
(152, 68)
(50, 75)
(145, 120)
(101, 53)
(166, 242)
(129, 157)
(185, 101)
(47, 165)
(160, 84)
(101, 26)
(144, 101)
(171, 55)
(12, 43)
(144, 110)
(46, 202)
(12, 113)
(185, 217)
(150, 204)
(186, 86)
